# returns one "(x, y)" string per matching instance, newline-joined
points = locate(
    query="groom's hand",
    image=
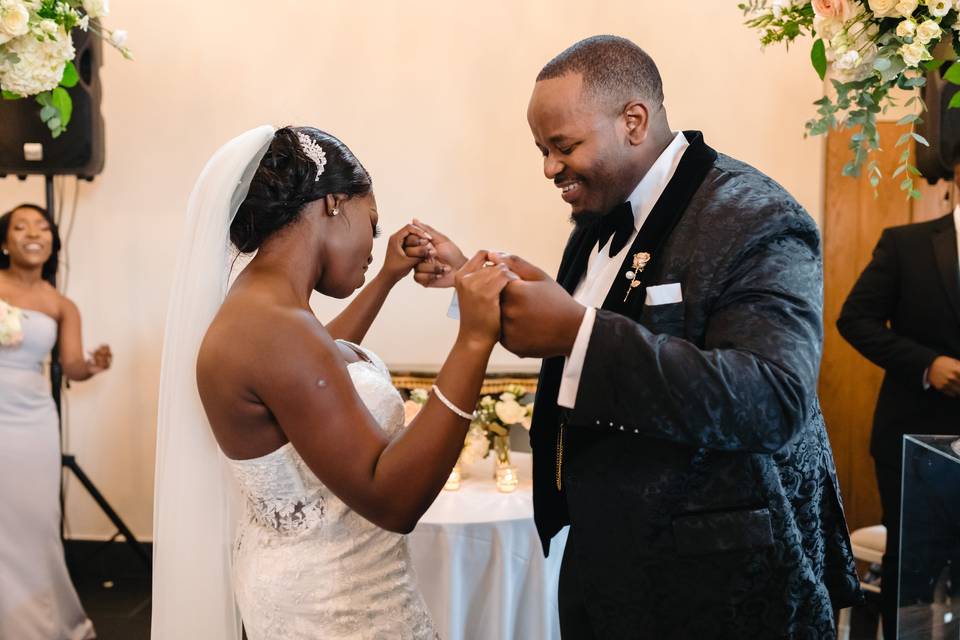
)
(540, 319)
(440, 258)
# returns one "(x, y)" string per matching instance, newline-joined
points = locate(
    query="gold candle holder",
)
(507, 478)
(453, 482)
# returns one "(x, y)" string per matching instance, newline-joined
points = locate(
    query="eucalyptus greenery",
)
(858, 101)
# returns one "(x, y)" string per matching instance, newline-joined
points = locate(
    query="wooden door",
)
(853, 219)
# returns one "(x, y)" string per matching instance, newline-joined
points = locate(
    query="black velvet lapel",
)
(945, 251)
(691, 171)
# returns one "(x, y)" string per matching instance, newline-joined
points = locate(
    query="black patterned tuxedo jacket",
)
(695, 468)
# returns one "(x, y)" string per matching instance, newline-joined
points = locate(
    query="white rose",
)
(906, 7)
(510, 412)
(939, 8)
(883, 8)
(118, 38)
(827, 28)
(40, 65)
(777, 6)
(96, 8)
(48, 27)
(927, 31)
(475, 445)
(913, 54)
(906, 29)
(849, 60)
(14, 19)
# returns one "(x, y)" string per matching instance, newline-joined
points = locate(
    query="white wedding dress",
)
(305, 565)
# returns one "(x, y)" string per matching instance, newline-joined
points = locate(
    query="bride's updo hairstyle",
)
(286, 181)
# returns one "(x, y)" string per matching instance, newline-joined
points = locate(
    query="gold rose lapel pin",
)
(640, 261)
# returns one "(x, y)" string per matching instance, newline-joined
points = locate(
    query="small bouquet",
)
(869, 49)
(490, 430)
(36, 52)
(11, 325)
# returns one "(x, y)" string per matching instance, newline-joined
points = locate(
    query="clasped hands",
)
(538, 318)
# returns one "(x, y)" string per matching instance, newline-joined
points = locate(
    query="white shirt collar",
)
(651, 186)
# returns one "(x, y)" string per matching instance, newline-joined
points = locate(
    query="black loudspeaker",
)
(26, 145)
(941, 128)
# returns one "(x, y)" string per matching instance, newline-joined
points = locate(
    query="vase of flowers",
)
(37, 52)
(876, 54)
(489, 431)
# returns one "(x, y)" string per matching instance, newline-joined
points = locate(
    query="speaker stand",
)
(68, 461)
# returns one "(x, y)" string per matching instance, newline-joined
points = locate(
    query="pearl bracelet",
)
(449, 405)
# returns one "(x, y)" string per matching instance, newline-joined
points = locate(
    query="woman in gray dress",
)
(37, 600)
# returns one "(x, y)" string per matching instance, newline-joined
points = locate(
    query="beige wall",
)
(430, 95)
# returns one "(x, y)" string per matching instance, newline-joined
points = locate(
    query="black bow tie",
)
(619, 224)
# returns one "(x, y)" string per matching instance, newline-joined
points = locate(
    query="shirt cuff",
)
(573, 365)
(926, 379)
(453, 311)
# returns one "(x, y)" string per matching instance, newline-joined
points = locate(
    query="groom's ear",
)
(637, 119)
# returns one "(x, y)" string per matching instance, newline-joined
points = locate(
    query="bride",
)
(292, 419)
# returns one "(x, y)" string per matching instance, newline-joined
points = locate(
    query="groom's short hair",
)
(614, 70)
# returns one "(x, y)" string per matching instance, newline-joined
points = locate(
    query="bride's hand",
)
(440, 258)
(397, 264)
(479, 284)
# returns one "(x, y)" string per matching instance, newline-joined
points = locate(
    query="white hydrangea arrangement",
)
(868, 49)
(36, 51)
(11, 325)
(490, 428)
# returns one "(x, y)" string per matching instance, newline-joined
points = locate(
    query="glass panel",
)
(930, 540)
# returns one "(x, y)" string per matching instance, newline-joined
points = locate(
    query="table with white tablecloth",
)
(479, 562)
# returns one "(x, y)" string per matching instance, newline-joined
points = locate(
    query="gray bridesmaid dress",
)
(37, 599)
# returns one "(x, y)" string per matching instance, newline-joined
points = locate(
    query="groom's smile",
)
(569, 190)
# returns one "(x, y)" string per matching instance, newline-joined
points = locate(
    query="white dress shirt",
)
(956, 227)
(602, 270)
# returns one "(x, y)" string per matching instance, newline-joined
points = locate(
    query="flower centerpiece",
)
(876, 54)
(11, 325)
(36, 52)
(490, 430)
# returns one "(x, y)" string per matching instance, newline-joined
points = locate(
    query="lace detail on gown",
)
(306, 566)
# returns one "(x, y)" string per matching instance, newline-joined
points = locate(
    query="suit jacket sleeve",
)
(752, 385)
(872, 302)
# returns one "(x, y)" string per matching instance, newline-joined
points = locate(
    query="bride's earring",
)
(335, 212)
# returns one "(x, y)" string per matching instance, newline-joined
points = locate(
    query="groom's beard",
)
(585, 219)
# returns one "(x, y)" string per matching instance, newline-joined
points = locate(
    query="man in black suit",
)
(903, 314)
(677, 428)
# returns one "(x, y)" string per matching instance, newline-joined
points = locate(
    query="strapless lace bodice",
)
(308, 566)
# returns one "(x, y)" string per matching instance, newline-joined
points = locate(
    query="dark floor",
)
(114, 587)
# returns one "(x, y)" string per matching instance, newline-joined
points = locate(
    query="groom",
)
(677, 428)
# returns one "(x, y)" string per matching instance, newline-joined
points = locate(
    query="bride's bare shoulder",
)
(255, 329)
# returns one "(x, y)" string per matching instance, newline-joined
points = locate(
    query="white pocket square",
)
(664, 294)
